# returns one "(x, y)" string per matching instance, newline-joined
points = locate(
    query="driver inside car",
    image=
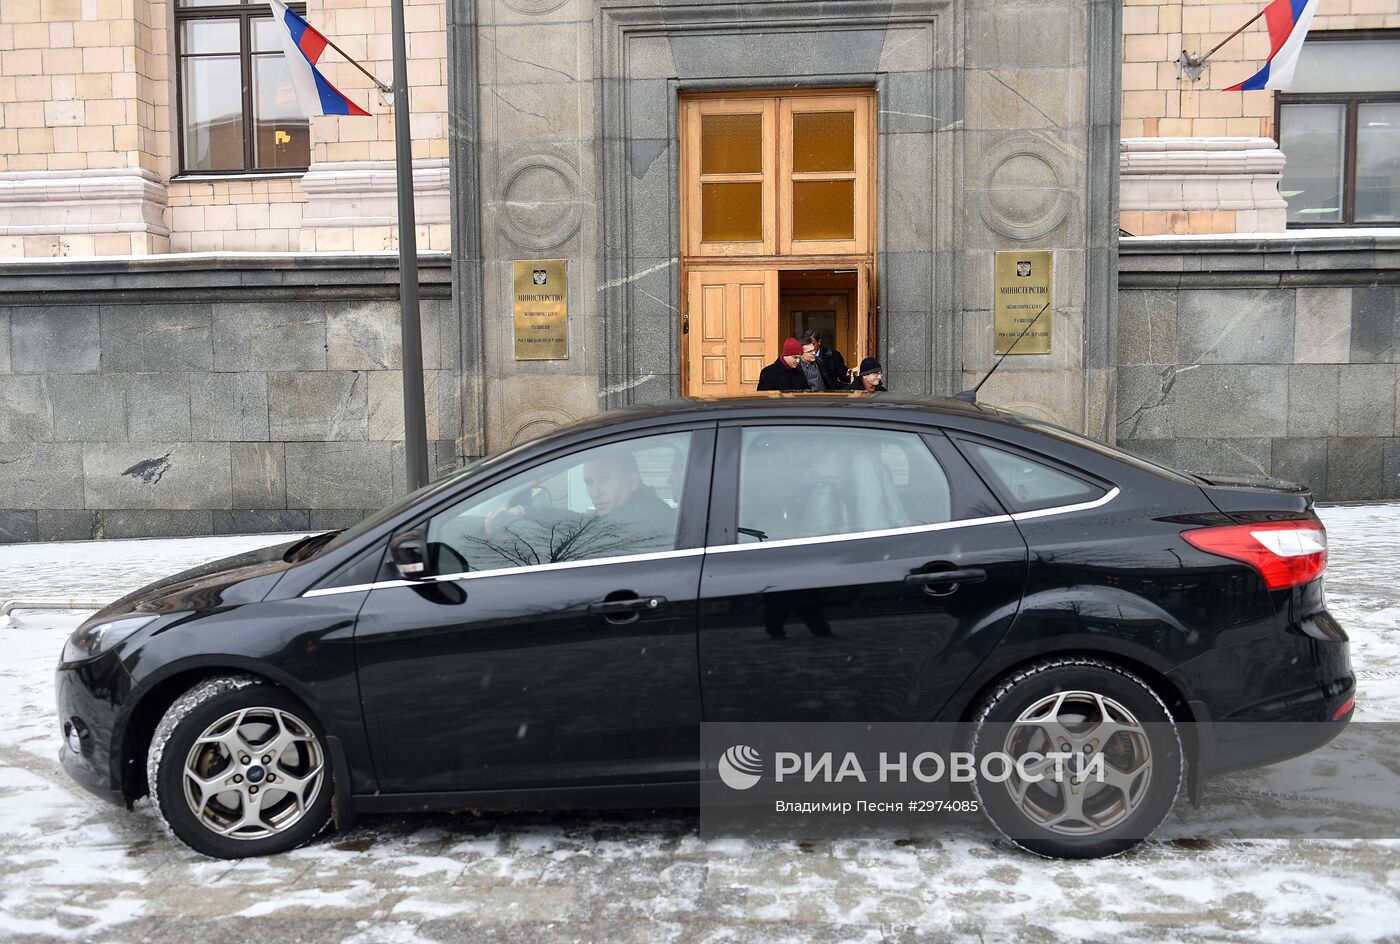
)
(627, 517)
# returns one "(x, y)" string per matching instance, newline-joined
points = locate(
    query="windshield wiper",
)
(307, 546)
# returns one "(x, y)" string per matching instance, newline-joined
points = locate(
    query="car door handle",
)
(952, 578)
(625, 607)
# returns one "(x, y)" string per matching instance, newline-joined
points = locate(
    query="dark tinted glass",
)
(813, 481)
(1032, 485)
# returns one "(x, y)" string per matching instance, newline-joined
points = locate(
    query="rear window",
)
(1032, 485)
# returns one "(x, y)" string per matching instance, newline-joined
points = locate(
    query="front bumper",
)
(89, 779)
(88, 696)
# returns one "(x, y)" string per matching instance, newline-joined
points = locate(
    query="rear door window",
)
(815, 481)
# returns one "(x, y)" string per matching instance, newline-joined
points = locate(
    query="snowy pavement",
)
(73, 868)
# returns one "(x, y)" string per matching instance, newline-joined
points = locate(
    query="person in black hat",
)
(871, 378)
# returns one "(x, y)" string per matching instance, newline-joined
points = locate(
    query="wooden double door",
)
(777, 228)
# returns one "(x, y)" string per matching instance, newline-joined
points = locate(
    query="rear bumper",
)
(1279, 695)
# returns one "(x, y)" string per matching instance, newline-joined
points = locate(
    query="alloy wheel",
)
(253, 773)
(1078, 800)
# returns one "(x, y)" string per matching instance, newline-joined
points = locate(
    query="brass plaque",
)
(541, 292)
(1024, 284)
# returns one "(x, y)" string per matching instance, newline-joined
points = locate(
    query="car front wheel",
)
(238, 768)
(1100, 758)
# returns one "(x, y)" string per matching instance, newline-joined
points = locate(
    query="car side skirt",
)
(671, 794)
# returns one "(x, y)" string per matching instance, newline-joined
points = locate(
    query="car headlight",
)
(89, 642)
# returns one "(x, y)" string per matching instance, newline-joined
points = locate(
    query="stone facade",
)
(986, 138)
(1264, 356)
(235, 395)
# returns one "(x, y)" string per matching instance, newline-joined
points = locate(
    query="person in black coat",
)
(830, 359)
(783, 373)
(871, 377)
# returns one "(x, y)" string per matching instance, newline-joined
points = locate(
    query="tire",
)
(1079, 698)
(222, 729)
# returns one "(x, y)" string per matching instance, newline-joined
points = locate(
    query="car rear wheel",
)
(1101, 758)
(239, 768)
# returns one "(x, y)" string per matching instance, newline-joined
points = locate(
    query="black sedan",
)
(550, 626)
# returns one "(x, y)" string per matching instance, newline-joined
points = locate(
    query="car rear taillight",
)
(1286, 553)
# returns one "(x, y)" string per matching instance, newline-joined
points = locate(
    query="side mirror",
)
(409, 552)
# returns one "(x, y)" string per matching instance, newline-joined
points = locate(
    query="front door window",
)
(617, 500)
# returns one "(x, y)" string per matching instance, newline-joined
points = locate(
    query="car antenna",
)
(970, 396)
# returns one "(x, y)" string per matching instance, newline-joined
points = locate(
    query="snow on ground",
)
(74, 868)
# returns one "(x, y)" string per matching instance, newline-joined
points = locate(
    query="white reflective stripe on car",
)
(858, 535)
(527, 569)
(1066, 509)
(725, 548)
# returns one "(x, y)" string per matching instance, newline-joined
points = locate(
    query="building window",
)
(1340, 130)
(238, 109)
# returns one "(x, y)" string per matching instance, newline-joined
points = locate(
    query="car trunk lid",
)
(1255, 497)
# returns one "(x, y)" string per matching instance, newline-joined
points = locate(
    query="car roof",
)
(807, 404)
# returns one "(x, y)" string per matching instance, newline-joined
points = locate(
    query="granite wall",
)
(998, 129)
(1271, 356)
(207, 395)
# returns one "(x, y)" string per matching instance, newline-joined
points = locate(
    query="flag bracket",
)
(1190, 65)
(1193, 64)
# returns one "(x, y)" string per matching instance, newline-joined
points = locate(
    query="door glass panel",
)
(731, 144)
(823, 141)
(1311, 137)
(1378, 162)
(823, 209)
(731, 212)
(610, 501)
(1032, 485)
(810, 481)
(212, 119)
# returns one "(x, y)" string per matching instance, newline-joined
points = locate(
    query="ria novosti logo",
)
(740, 767)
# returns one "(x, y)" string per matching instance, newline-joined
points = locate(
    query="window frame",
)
(1351, 102)
(245, 13)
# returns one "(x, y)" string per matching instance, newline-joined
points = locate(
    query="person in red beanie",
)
(783, 374)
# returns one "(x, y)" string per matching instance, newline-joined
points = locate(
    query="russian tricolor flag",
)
(303, 46)
(1288, 26)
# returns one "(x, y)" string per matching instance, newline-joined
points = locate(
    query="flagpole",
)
(415, 424)
(370, 75)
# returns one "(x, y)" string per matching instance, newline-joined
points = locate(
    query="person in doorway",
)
(816, 373)
(871, 377)
(783, 373)
(828, 357)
